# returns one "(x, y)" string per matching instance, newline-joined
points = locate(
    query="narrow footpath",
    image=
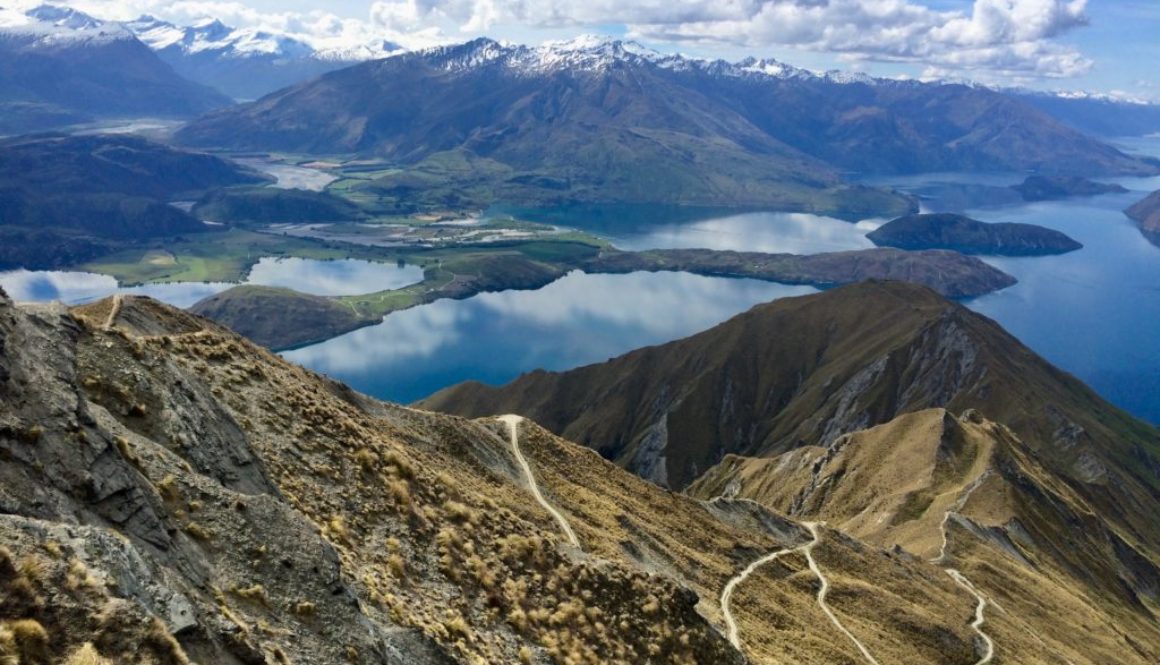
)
(513, 424)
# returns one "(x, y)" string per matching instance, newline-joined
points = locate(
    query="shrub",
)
(167, 487)
(87, 655)
(30, 640)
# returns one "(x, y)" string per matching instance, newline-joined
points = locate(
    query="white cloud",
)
(997, 36)
(993, 38)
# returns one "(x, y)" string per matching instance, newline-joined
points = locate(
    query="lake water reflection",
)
(634, 227)
(493, 337)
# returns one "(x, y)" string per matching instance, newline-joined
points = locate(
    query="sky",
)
(1106, 46)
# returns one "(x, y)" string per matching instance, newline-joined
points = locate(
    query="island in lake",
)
(1051, 188)
(971, 236)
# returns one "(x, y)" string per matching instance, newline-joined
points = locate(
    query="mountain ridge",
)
(759, 91)
(804, 371)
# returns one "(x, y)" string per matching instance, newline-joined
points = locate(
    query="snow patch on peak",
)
(64, 17)
(49, 26)
(211, 37)
(772, 68)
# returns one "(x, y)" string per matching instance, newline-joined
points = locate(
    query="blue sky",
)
(1094, 45)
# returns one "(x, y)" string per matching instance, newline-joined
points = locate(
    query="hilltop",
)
(67, 199)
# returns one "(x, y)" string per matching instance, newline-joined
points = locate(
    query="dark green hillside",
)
(106, 164)
(269, 205)
(83, 191)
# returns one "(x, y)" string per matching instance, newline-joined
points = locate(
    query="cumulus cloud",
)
(1015, 38)
(1004, 37)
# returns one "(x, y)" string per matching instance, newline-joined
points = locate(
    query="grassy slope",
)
(892, 486)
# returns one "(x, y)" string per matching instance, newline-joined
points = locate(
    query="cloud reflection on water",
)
(493, 337)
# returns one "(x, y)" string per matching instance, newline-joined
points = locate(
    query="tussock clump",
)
(87, 655)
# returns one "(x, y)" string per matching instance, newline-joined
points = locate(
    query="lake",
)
(1094, 312)
(582, 318)
(324, 278)
(493, 337)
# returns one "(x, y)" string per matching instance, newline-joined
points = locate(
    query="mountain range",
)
(59, 66)
(172, 493)
(908, 420)
(246, 63)
(597, 119)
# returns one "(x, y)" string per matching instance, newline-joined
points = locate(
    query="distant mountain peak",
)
(211, 36)
(50, 25)
(594, 53)
(64, 17)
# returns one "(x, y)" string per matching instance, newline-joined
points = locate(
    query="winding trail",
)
(962, 501)
(113, 312)
(977, 624)
(727, 594)
(806, 550)
(960, 579)
(513, 423)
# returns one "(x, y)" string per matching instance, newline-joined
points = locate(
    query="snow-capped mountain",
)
(59, 66)
(213, 36)
(1096, 113)
(247, 63)
(48, 26)
(549, 105)
(594, 53)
